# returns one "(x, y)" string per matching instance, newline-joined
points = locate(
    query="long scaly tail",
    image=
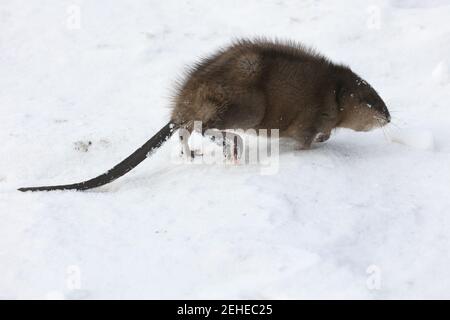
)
(120, 169)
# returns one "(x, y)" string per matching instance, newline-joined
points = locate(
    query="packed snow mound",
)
(84, 84)
(441, 73)
(416, 138)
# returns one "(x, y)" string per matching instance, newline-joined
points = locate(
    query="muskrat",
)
(262, 84)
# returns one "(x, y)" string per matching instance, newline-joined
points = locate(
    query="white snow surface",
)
(316, 229)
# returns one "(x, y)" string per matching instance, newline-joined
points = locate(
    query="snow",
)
(441, 74)
(357, 217)
(421, 139)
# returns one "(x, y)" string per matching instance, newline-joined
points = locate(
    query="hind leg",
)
(208, 104)
(232, 144)
(183, 135)
(186, 132)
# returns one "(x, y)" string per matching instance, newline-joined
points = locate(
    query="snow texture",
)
(357, 217)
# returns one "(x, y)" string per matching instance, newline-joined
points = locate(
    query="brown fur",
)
(276, 85)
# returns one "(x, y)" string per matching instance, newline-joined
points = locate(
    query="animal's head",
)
(359, 105)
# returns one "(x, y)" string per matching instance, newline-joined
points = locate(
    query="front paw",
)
(322, 137)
